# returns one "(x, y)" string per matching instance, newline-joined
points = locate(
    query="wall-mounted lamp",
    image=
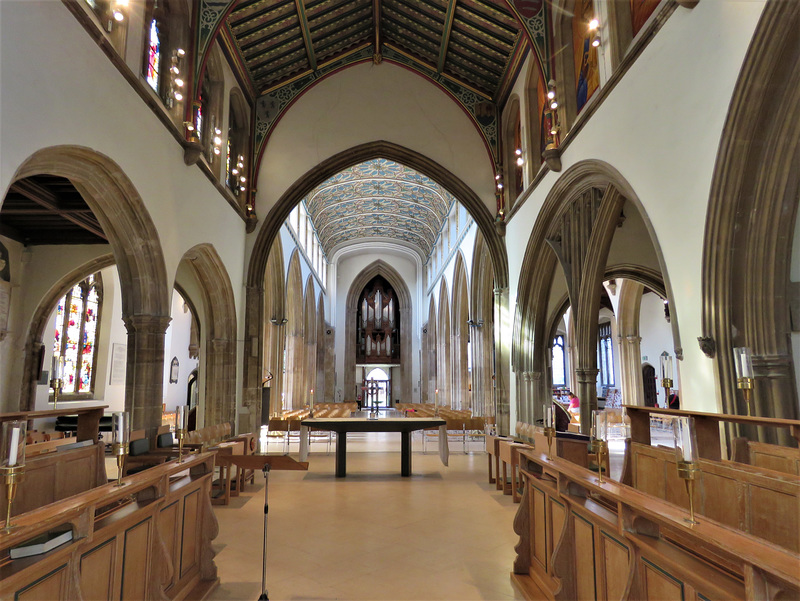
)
(217, 141)
(596, 41)
(594, 24)
(520, 159)
(117, 12)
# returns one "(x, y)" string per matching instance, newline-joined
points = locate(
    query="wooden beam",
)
(301, 16)
(448, 27)
(376, 24)
(43, 197)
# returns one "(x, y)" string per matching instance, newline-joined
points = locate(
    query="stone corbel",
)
(552, 158)
(192, 151)
(687, 3)
(708, 345)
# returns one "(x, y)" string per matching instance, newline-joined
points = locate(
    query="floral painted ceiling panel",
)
(379, 199)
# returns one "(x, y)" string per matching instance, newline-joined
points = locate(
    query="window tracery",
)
(75, 340)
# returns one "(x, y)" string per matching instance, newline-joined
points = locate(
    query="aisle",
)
(444, 533)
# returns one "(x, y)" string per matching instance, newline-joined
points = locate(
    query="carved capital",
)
(146, 324)
(708, 345)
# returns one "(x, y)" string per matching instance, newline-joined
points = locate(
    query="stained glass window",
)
(231, 178)
(605, 355)
(154, 56)
(75, 338)
(559, 362)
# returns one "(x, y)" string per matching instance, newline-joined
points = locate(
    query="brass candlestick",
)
(601, 449)
(687, 470)
(550, 433)
(666, 384)
(56, 384)
(745, 384)
(12, 476)
(181, 435)
(120, 450)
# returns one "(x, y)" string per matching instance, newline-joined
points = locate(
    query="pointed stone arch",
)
(271, 332)
(295, 347)
(397, 282)
(460, 335)
(752, 212)
(444, 372)
(329, 167)
(310, 327)
(428, 359)
(135, 244)
(591, 193)
(39, 322)
(482, 341)
(218, 327)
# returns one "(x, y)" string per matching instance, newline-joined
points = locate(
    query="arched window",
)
(605, 354)
(236, 176)
(587, 70)
(559, 362)
(153, 73)
(74, 345)
(378, 324)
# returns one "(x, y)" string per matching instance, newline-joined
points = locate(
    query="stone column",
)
(630, 348)
(221, 383)
(502, 360)
(539, 397)
(144, 376)
(587, 393)
(253, 354)
(525, 396)
(774, 383)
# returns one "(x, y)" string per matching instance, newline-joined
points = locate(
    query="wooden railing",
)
(148, 539)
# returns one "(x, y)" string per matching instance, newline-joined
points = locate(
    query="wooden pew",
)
(149, 539)
(580, 538)
(769, 456)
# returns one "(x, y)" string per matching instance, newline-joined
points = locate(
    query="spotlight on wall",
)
(554, 105)
(594, 24)
(118, 13)
(596, 41)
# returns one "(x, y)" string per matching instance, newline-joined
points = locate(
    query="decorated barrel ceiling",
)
(379, 199)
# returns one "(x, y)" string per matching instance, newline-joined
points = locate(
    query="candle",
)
(262, 440)
(549, 417)
(436, 398)
(12, 452)
(180, 418)
(744, 365)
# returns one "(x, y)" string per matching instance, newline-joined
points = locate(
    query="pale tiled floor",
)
(443, 533)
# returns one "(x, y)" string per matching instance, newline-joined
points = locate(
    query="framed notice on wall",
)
(119, 359)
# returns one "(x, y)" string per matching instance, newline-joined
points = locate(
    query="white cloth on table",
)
(444, 449)
(303, 443)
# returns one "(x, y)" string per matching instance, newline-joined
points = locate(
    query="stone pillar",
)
(144, 376)
(221, 383)
(630, 348)
(774, 384)
(525, 396)
(502, 360)
(253, 354)
(587, 393)
(539, 397)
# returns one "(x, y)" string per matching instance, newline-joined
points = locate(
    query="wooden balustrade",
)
(149, 539)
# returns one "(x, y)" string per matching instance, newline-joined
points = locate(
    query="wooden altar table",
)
(343, 425)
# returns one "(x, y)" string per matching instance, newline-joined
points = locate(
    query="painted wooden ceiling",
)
(379, 199)
(469, 41)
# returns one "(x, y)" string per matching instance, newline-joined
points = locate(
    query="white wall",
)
(176, 344)
(660, 128)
